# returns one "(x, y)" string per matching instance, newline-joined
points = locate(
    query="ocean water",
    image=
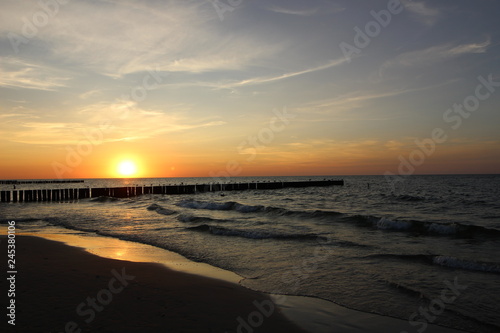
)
(427, 253)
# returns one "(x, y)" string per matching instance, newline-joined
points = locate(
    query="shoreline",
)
(60, 288)
(300, 313)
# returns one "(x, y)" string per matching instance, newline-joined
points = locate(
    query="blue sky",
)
(214, 72)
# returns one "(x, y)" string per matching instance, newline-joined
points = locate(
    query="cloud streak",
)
(424, 14)
(434, 54)
(269, 79)
(15, 73)
(296, 12)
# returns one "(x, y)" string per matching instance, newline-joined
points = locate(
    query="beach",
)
(63, 288)
(66, 289)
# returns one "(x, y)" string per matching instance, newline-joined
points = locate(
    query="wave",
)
(253, 234)
(453, 262)
(407, 197)
(423, 227)
(445, 261)
(161, 210)
(103, 199)
(23, 220)
(386, 224)
(186, 218)
(242, 208)
(381, 223)
(409, 290)
(210, 205)
(62, 223)
(410, 197)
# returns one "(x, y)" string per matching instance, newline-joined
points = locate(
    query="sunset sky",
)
(247, 87)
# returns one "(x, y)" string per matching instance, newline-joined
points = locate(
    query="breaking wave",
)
(386, 224)
(423, 228)
(161, 210)
(445, 261)
(453, 262)
(229, 205)
(186, 218)
(381, 223)
(253, 234)
(242, 208)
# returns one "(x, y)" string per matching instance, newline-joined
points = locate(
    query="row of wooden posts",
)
(72, 194)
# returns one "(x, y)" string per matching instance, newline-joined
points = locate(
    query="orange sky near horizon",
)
(370, 158)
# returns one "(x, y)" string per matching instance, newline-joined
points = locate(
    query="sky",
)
(219, 88)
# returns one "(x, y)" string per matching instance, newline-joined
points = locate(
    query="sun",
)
(127, 168)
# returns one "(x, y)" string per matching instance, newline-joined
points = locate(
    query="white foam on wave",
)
(453, 262)
(161, 210)
(247, 208)
(443, 229)
(386, 224)
(230, 205)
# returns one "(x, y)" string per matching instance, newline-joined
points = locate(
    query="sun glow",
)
(127, 168)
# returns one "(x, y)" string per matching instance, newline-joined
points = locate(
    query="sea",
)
(426, 251)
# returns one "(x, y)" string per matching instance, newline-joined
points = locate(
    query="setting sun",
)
(127, 168)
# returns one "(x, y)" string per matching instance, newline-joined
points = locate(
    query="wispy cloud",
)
(263, 80)
(349, 101)
(124, 117)
(331, 8)
(176, 36)
(121, 121)
(297, 12)
(434, 54)
(422, 12)
(360, 99)
(90, 93)
(15, 73)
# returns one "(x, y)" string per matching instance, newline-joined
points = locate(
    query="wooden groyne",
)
(59, 195)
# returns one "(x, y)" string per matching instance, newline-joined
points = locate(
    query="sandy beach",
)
(84, 288)
(66, 289)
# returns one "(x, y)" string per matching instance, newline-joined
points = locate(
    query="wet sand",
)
(60, 288)
(63, 288)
